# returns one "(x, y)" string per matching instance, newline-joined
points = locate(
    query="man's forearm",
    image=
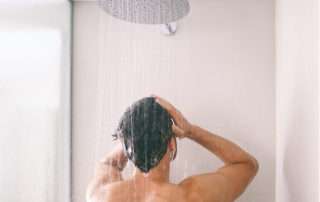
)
(115, 157)
(226, 150)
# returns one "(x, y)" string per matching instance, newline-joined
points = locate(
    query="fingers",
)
(177, 127)
(165, 104)
(173, 112)
(177, 131)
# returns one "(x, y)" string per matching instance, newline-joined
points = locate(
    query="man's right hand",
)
(181, 127)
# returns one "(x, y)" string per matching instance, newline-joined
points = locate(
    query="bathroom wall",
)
(218, 70)
(297, 70)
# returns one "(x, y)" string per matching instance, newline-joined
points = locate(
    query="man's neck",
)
(159, 174)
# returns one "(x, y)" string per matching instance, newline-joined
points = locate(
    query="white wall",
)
(218, 69)
(297, 70)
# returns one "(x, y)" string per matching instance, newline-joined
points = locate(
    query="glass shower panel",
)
(35, 101)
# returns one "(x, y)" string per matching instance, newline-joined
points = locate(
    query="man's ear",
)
(172, 144)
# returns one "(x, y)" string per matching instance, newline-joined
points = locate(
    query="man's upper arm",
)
(225, 185)
(105, 175)
(237, 177)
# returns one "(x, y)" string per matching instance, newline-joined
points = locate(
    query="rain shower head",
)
(146, 11)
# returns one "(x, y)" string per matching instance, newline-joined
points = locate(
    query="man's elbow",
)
(89, 196)
(255, 165)
(89, 193)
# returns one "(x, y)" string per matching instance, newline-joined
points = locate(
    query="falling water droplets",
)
(185, 175)
(112, 89)
(145, 174)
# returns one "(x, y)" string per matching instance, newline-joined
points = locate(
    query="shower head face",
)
(146, 11)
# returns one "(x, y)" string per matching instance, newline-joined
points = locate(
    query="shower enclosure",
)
(246, 70)
(218, 69)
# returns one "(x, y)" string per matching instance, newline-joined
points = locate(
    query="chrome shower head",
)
(146, 11)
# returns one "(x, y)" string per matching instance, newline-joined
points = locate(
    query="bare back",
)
(187, 191)
(129, 191)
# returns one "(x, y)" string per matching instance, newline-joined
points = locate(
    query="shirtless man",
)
(139, 131)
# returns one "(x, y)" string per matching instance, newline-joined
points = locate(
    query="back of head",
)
(145, 130)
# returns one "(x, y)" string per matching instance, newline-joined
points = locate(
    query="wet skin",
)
(223, 185)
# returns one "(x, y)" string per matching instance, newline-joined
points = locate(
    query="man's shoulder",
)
(116, 191)
(204, 187)
(115, 186)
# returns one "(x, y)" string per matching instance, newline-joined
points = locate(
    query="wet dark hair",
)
(145, 129)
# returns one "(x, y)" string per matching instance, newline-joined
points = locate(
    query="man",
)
(148, 139)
